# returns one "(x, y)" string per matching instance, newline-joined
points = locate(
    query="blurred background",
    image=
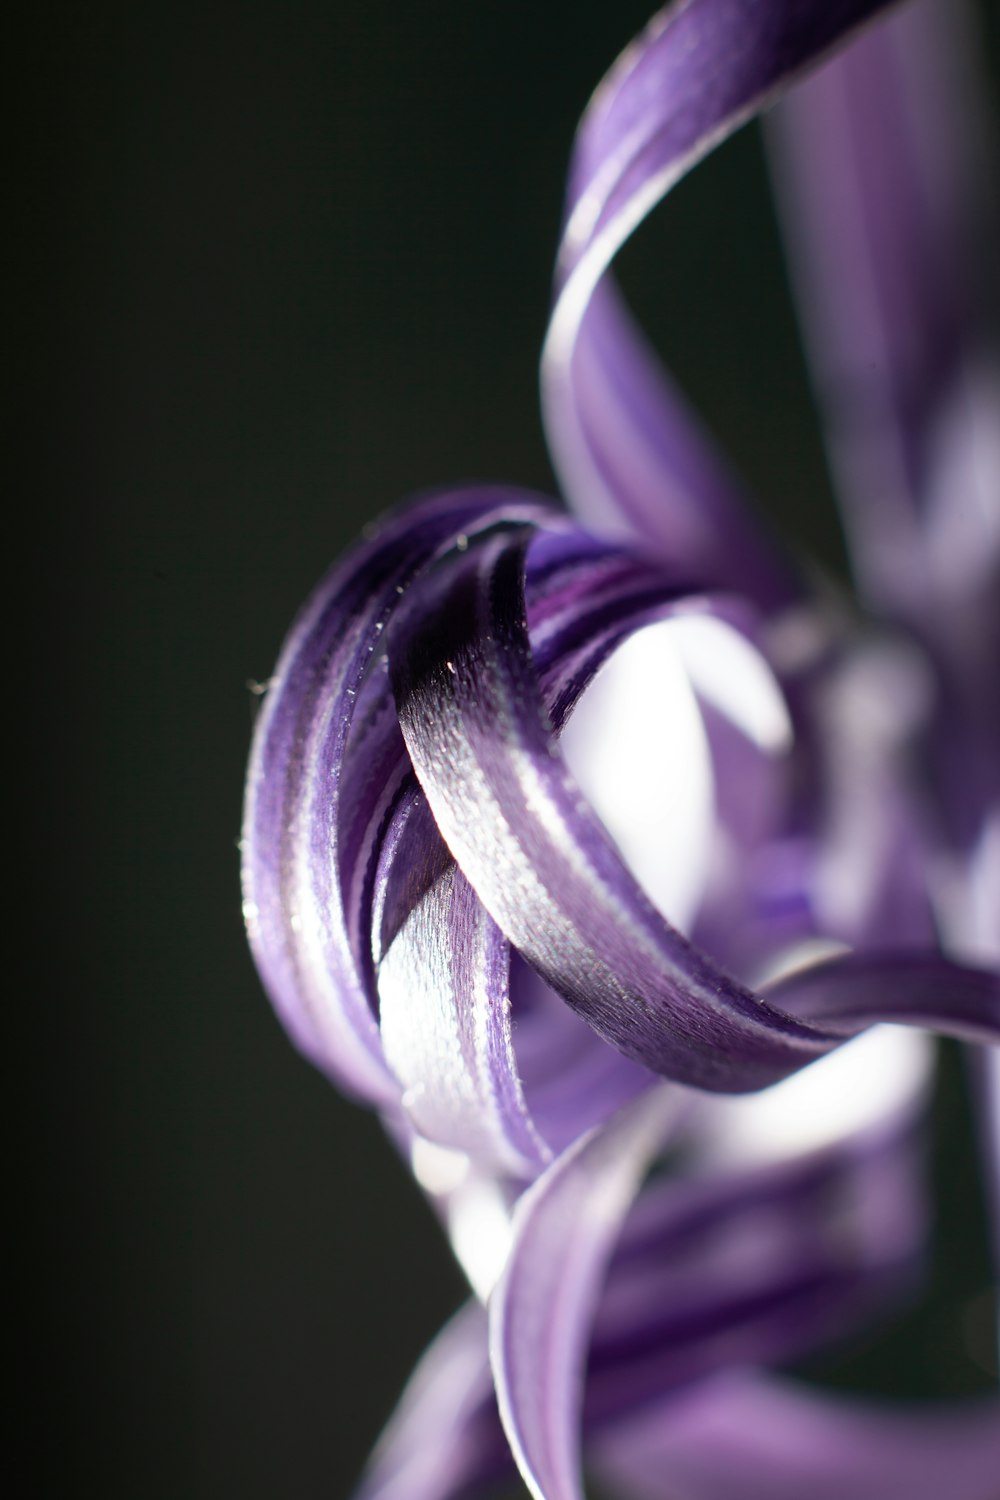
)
(287, 263)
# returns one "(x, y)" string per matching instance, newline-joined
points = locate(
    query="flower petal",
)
(565, 1226)
(855, 990)
(544, 867)
(704, 1271)
(446, 1025)
(295, 906)
(628, 453)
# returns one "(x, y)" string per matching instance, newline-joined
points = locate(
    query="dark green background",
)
(284, 262)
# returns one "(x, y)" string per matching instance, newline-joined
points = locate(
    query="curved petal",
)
(564, 1226)
(911, 989)
(628, 453)
(444, 968)
(294, 902)
(703, 1271)
(546, 870)
(543, 866)
(446, 1026)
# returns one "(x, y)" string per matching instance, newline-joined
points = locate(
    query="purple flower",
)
(561, 830)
